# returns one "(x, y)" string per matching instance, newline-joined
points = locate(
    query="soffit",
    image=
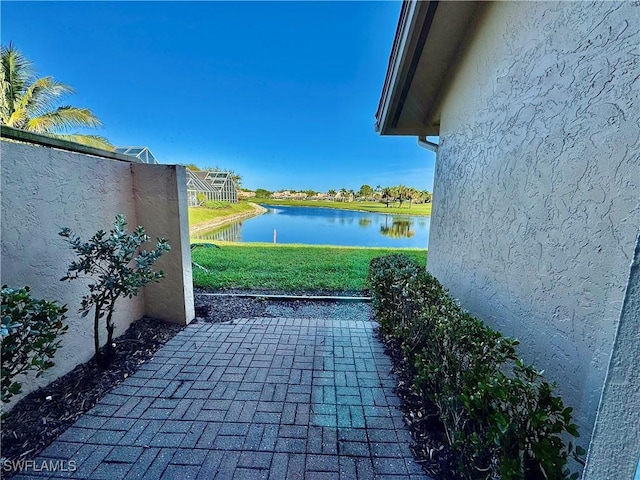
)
(430, 39)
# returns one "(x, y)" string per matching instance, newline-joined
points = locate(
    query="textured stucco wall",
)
(161, 203)
(537, 188)
(45, 189)
(615, 446)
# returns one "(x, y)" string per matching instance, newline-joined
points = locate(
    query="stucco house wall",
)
(536, 200)
(45, 189)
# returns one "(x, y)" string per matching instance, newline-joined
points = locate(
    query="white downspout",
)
(424, 143)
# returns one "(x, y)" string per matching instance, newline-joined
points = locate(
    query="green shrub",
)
(403, 291)
(215, 204)
(499, 415)
(30, 329)
(393, 279)
(113, 259)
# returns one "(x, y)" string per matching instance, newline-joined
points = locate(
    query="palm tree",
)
(412, 194)
(400, 194)
(28, 103)
(386, 195)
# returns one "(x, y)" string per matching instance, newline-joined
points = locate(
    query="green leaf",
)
(572, 429)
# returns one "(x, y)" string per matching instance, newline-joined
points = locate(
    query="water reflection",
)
(400, 228)
(323, 226)
(230, 233)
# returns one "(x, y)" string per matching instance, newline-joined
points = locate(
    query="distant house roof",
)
(429, 41)
(218, 179)
(141, 153)
(194, 182)
(208, 181)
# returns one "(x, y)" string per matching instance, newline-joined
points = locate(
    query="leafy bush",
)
(119, 270)
(30, 329)
(500, 416)
(214, 204)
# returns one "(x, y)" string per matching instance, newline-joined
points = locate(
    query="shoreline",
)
(222, 221)
(348, 209)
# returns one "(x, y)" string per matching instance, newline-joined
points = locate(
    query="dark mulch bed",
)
(430, 447)
(224, 309)
(35, 422)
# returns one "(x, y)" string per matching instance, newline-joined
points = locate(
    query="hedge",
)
(500, 416)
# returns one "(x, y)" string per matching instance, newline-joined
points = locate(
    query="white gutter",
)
(424, 143)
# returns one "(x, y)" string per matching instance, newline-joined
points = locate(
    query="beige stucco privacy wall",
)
(45, 189)
(537, 185)
(160, 193)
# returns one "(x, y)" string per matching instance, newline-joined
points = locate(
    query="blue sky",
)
(284, 93)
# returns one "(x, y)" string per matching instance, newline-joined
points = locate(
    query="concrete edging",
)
(335, 298)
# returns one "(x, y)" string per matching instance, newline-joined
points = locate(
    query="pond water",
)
(326, 226)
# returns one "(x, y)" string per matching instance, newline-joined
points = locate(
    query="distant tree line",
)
(396, 194)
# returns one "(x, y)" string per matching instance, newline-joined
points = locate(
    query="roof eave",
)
(427, 46)
(398, 65)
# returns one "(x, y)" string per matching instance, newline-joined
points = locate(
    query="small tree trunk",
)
(110, 327)
(96, 333)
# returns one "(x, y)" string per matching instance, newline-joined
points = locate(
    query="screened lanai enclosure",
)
(143, 154)
(205, 186)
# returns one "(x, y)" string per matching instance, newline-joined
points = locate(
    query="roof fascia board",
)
(431, 41)
(416, 54)
(403, 50)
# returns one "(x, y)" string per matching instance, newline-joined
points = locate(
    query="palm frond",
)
(28, 103)
(40, 97)
(94, 141)
(15, 73)
(17, 119)
(63, 118)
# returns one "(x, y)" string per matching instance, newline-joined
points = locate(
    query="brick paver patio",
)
(262, 398)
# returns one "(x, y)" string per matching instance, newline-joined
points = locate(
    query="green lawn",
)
(423, 209)
(203, 214)
(265, 266)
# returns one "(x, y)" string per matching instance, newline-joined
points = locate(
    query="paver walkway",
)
(262, 398)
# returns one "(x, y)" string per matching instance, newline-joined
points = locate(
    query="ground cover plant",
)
(119, 269)
(499, 415)
(30, 332)
(418, 209)
(280, 267)
(212, 210)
